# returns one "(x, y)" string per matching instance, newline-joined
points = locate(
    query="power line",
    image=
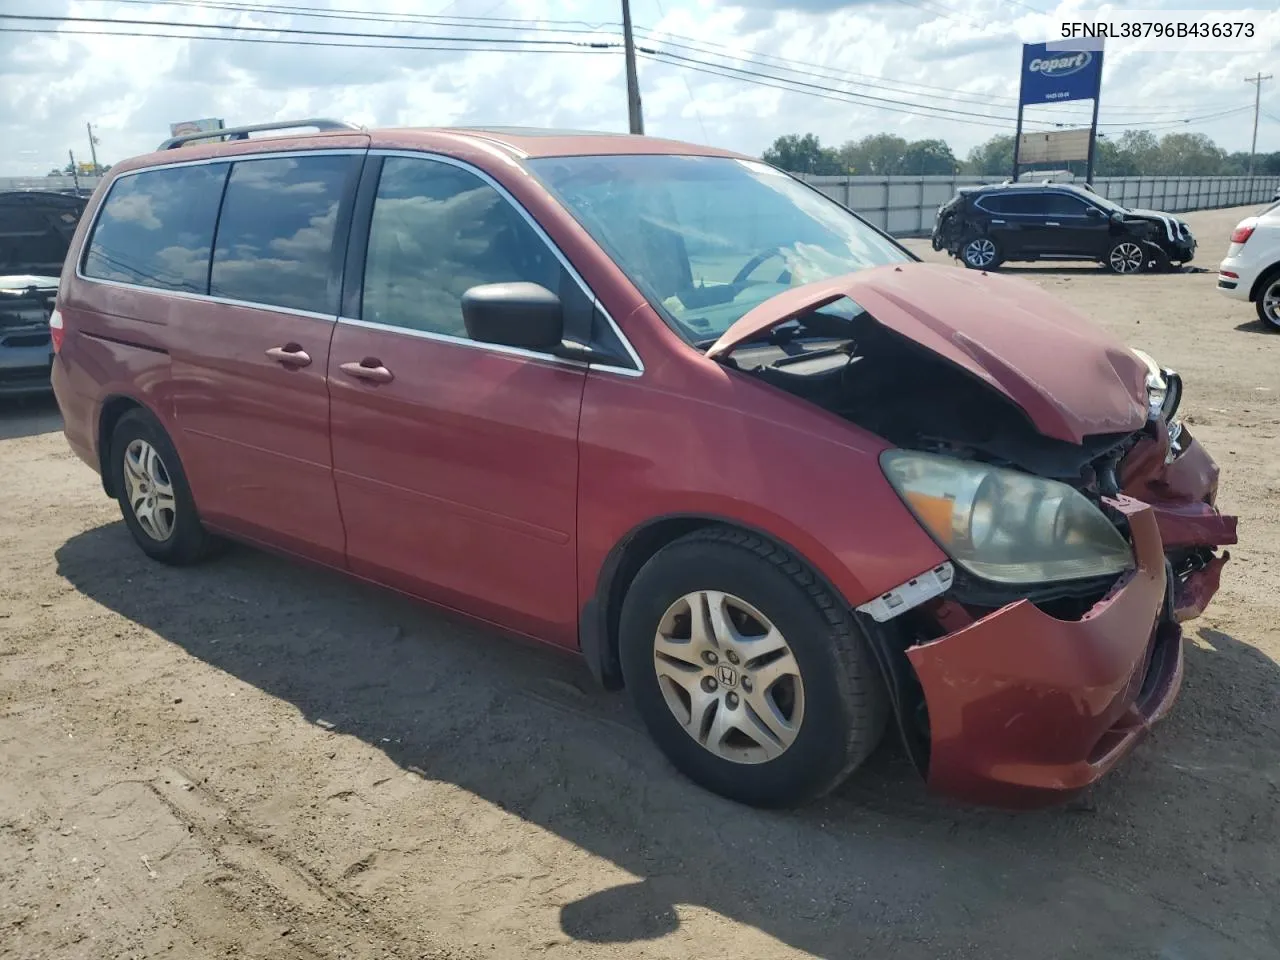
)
(476, 47)
(838, 96)
(562, 26)
(301, 31)
(334, 13)
(711, 48)
(520, 44)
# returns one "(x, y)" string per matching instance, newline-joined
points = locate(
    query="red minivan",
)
(666, 406)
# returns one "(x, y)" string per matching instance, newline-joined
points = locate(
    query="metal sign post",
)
(1051, 74)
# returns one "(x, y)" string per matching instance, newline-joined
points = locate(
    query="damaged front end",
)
(1047, 462)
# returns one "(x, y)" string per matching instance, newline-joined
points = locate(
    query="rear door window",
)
(277, 235)
(156, 228)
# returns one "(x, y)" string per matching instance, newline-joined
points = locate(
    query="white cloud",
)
(956, 54)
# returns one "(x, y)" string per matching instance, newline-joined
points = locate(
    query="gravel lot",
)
(260, 760)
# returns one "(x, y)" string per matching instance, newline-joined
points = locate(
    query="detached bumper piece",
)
(1026, 710)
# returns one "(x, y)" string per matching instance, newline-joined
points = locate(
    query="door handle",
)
(997, 221)
(370, 368)
(290, 355)
(1052, 223)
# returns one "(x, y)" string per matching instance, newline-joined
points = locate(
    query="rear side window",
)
(436, 232)
(1014, 203)
(156, 228)
(276, 234)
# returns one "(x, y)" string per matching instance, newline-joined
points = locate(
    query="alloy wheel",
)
(980, 252)
(1126, 258)
(150, 490)
(1271, 302)
(729, 677)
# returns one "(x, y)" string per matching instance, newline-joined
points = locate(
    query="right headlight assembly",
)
(1005, 526)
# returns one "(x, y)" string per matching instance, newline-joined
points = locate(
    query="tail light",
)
(1242, 233)
(56, 331)
(1228, 274)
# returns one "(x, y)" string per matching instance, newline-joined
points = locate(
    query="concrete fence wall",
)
(56, 184)
(905, 206)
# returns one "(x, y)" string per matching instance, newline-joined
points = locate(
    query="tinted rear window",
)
(156, 228)
(275, 241)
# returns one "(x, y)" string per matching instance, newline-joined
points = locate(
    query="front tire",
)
(750, 676)
(1126, 257)
(153, 493)
(980, 253)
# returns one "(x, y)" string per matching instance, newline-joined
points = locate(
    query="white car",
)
(1251, 270)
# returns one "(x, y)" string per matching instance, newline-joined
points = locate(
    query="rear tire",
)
(792, 715)
(153, 493)
(1268, 302)
(980, 253)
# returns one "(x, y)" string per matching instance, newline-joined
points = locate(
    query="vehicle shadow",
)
(28, 416)
(879, 869)
(1256, 326)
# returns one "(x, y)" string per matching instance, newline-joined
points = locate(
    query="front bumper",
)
(1025, 709)
(25, 361)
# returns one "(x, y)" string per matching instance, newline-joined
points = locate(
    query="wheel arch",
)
(1264, 277)
(598, 624)
(113, 408)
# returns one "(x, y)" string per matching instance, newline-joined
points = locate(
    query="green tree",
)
(802, 154)
(1141, 150)
(877, 155)
(929, 158)
(1111, 160)
(1190, 155)
(992, 158)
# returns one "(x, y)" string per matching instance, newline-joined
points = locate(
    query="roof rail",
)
(242, 133)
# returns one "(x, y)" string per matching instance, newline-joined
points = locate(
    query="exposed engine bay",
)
(845, 361)
(842, 358)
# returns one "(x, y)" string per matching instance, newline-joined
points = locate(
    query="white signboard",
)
(184, 127)
(1054, 146)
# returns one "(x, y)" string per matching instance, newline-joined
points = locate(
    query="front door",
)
(456, 462)
(1074, 232)
(249, 364)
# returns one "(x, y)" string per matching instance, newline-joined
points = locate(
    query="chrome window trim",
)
(187, 294)
(542, 234)
(468, 342)
(636, 371)
(206, 298)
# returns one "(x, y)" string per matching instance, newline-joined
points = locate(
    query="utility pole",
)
(93, 147)
(1257, 104)
(75, 175)
(633, 82)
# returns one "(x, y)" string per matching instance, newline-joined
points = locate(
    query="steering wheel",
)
(750, 266)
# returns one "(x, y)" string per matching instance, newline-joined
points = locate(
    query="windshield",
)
(1109, 205)
(708, 238)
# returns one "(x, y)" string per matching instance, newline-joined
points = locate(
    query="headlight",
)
(1164, 388)
(1006, 526)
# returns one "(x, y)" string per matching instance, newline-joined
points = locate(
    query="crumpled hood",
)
(1070, 378)
(1168, 222)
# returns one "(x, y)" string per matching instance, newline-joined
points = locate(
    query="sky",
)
(870, 67)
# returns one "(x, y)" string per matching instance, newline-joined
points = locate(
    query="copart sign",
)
(1053, 75)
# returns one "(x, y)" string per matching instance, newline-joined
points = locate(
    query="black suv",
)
(985, 226)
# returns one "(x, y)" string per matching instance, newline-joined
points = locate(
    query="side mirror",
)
(1093, 213)
(523, 315)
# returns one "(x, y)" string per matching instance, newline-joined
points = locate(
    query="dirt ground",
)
(254, 759)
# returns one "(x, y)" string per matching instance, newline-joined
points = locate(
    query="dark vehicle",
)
(987, 226)
(36, 228)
